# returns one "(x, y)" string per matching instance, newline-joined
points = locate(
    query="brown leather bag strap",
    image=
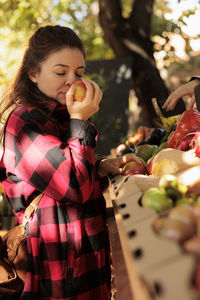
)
(2, 131)
(31, 209)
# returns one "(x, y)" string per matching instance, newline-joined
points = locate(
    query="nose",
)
(70, 78)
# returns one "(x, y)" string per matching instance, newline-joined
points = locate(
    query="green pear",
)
(173, 188)
(145, 151)
(185, 201)
(156, 199)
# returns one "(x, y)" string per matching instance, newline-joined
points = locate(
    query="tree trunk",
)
(131, 37)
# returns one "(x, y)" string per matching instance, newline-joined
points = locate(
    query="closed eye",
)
(60, 74)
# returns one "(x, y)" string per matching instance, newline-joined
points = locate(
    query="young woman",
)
(49, 148)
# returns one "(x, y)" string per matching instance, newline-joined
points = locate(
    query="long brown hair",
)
(41, 44)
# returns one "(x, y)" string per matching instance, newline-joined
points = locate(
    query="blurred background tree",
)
(144, 31)
(153, 32)
(20, 18)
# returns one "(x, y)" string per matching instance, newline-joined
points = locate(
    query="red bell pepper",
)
(182, 137)
(196, 143)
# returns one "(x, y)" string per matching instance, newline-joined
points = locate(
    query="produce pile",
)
(172, 155)
(144, 143)
(168, 150)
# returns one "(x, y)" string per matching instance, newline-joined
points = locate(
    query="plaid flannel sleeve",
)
(63, 171)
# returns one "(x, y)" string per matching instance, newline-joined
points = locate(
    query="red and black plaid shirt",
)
(67, 240)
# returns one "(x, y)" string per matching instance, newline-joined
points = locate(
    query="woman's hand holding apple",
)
(120, 165)
(89, 105)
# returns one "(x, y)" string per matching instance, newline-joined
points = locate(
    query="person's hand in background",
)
(184, 90)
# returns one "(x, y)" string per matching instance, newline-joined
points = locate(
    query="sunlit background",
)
(189, 28)
(173, 45)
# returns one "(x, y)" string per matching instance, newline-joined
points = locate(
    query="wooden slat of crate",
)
(117, 180)
(127, 196)
(137, 287)
(147, 248)
(131, 211)
(158, 260)
(172, 279)
(130, 184)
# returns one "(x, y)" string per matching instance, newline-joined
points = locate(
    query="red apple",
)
(149, 165)
(80, 90)
(134, 167)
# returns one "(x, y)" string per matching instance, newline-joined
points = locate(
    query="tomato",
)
(188, 123)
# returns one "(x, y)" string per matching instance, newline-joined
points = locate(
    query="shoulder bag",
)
(14, 257)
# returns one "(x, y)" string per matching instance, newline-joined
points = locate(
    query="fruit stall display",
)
(157, 208)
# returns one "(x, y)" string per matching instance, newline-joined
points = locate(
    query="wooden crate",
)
(156, 263)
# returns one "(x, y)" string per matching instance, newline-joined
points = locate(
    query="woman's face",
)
(58, 72)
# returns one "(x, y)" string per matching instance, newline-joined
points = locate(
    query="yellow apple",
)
(80, 90)
(134, 167)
